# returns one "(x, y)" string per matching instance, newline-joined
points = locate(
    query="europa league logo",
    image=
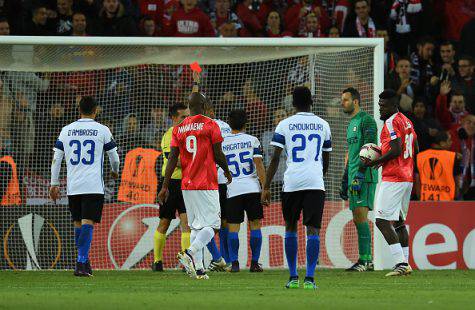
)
(433, 168)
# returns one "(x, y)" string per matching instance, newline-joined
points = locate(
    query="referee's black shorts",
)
(174, 203)
(86, 207)
(223, 197)
(310, 201)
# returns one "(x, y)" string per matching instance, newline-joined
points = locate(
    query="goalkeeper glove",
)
(357, 183)
(344, 186)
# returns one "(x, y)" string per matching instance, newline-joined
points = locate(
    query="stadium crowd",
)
(429, 61)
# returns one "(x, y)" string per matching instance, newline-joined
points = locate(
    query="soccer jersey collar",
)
(85, 120)
(305, 113)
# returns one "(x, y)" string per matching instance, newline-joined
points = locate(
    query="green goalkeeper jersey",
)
(361, 130)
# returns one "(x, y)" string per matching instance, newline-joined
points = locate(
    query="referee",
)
(178, 112)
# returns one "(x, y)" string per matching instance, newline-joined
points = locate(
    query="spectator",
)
(361, 24)
(6, 105)
(425, 126)
(251, 24)
(438, 170)
(90, 8)
(400, 79)
(465, 83)
(403, 19)
(170, 7)
(118, 93)
(342, 7)
(114, 22)
(79, 25)
(279, 115)
(129, 137)
(267, 6)
(190, 21)
(467, 39)
(463, 142)
(390, 57)
(228, 30)
(152, 8)
(63, 22)
(422, 71)
(13, 12)
(449, 115)
(448, 67)
(301, 10)
(255, 108)
(333, 32)
(157, 125)
(312, 27)
(222, 14)
(4, 27)
(274, 27)
(38, 25)
(147, 27)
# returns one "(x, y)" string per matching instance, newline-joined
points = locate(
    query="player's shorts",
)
(86, 207)
(251, 203)
(223, 196)
(365, 198)
(392, 200)
(202, 208)
(174, 202)
(310, 201)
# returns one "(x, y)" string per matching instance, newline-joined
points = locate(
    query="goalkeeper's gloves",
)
(344, 186)
(357, 183)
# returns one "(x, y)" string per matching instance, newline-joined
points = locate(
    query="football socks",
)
(159, 240)
(291, 248)
(223, 243)
(364, 241)
(84, 243)
(233, 246)
(213, 249)
(313, 249)
(256, 244)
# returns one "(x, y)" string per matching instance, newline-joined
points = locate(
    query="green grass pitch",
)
(173, 290)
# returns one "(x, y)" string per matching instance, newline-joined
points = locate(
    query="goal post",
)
(135, 80)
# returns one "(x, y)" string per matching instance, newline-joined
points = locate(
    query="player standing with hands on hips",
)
(197, 140)
(399, 148)
(306, 139)
(83, 143)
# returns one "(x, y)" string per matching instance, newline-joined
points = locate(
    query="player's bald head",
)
(197, 102)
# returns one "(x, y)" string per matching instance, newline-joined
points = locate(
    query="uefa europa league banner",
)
(442, 236)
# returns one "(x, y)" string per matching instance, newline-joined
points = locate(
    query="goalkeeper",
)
(359, 182)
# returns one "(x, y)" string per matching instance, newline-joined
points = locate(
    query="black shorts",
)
(86, 207)
(223, 197)
(310, 201)
(174, 202)
(251, 203)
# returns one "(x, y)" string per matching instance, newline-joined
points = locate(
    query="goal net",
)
(135, 81)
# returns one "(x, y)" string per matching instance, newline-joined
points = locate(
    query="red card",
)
(195, 67)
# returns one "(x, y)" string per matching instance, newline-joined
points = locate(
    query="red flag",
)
(195, 67)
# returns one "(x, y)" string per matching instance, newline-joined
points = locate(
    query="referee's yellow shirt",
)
(166, 141)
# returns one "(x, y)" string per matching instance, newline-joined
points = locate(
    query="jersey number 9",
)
(191, 146)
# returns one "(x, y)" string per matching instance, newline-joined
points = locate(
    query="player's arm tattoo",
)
(171, 165)
(272, 169)
(261, 170)
(219, 157)
(326, 161)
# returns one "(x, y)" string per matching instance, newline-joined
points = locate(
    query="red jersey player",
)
(399, 148)
(197, 140)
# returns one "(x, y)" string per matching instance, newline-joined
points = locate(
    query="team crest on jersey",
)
(355, 128)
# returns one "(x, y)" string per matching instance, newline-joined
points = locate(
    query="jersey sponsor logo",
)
(136, 224)
(355, 129)
(311, 126)
(190, 127)
(33, 230)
